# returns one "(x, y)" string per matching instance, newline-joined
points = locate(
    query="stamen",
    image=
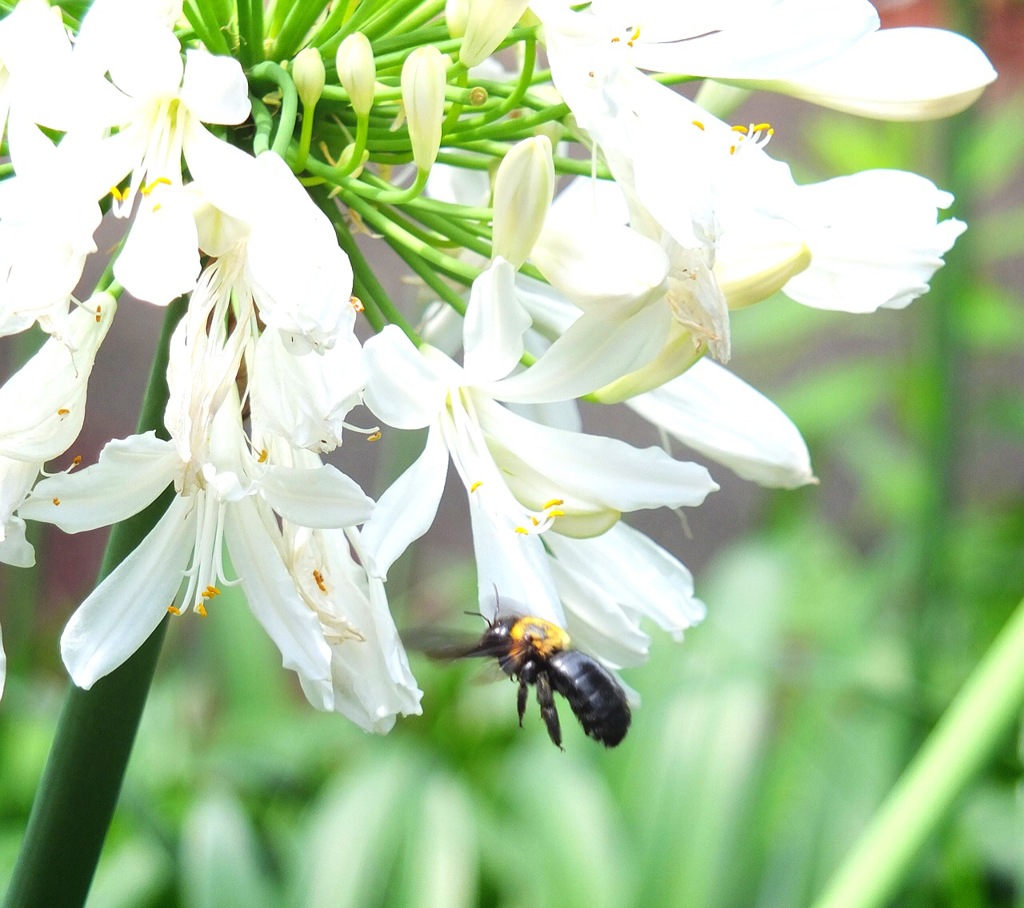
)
(319, 578)
(699, 125)
(556, 513)
(119, 195)
(264, 454)
(75, 462)
(201, 609)
(635, 35)
(356, 304)
(553, 503)
(522, 531)
(149, 187)
(174, 610)
(476, 485)
(375, 436)
(56, 501)
(63, 411)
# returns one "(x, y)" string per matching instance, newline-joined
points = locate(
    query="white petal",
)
(130, 473)
(592, 353)
(122, 612)
(323, 497)
(214, 88)
(720, 415)
(15, 549)
(276, 603)
(897, 74)
(874, 240)
(226, 176)
(160, 258)
(407, 509)
(494, 326)
(42, 406)
(402, 385)
(511, 566)
(16, 478)
(593, 468)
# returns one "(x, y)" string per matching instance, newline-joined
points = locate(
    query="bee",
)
(536, 652)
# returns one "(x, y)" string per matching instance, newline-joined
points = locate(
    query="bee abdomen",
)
(596, 698)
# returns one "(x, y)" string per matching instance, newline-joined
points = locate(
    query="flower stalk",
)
(96, 728)
(977, 721)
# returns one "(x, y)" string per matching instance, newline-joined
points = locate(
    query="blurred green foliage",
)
(839, 628)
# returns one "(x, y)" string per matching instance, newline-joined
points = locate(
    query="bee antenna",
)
(479, 615)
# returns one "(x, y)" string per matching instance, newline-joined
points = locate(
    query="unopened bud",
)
(308, 73)
(487, 25)
(424, 77)
(523, 188)
(456, 15)
(357, 71)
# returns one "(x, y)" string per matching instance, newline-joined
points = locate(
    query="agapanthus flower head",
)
(587, 230)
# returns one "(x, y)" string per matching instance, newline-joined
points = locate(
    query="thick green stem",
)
(976, 722)
(82, 779)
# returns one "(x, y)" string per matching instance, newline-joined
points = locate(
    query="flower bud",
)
(487, 25)
(424, 76)
(357, 71)
(456, 15)
(308, 73)
(523, 189)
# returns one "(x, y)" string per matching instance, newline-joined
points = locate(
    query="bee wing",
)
(447, 645)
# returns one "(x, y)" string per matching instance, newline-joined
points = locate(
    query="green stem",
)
(289, 102)
(82, 779)
(975, 723)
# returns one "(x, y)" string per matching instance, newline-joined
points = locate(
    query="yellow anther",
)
(732, 149)
(761, 127)
(634, 36)
(554, 502)
(56, 501)
(118, 194)
(739, 128)
(210, 592)
(157, 206)
(75, 461)
(63, 411)
(174, 610)
(522, 531)
(264, 454)
(699, 125)
(535, 521)
(149, 187)
(375, 436)
(556, 513)
(201, 609)
(476, 485)
(356, 304)
(319, 578)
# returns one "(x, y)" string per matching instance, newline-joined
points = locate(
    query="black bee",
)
(534, 651)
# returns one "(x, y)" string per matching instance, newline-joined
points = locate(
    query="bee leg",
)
(527, 675)
(548, 712)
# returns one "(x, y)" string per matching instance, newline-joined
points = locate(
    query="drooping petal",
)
(275, 602)
(129, 474)
(896, 74)
(42, 406)
(720, 415)
(122, 612)
(403, 385)
(16, 478)
(407, 509)
(15, 549)
(495, 322)
(323, 497)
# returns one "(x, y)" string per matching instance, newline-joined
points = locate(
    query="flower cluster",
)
(247, 151)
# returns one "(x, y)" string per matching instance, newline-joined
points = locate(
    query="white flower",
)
(158, 114)
(523, 188)
(486, 25)
(369, 669)
(357, 71)
(16, 479)
(522, 478)
(234, 500)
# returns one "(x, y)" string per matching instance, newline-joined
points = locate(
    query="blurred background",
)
(842, 618)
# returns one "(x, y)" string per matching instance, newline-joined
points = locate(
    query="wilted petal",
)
(715, 412)
(276, 603)
(122, 612)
